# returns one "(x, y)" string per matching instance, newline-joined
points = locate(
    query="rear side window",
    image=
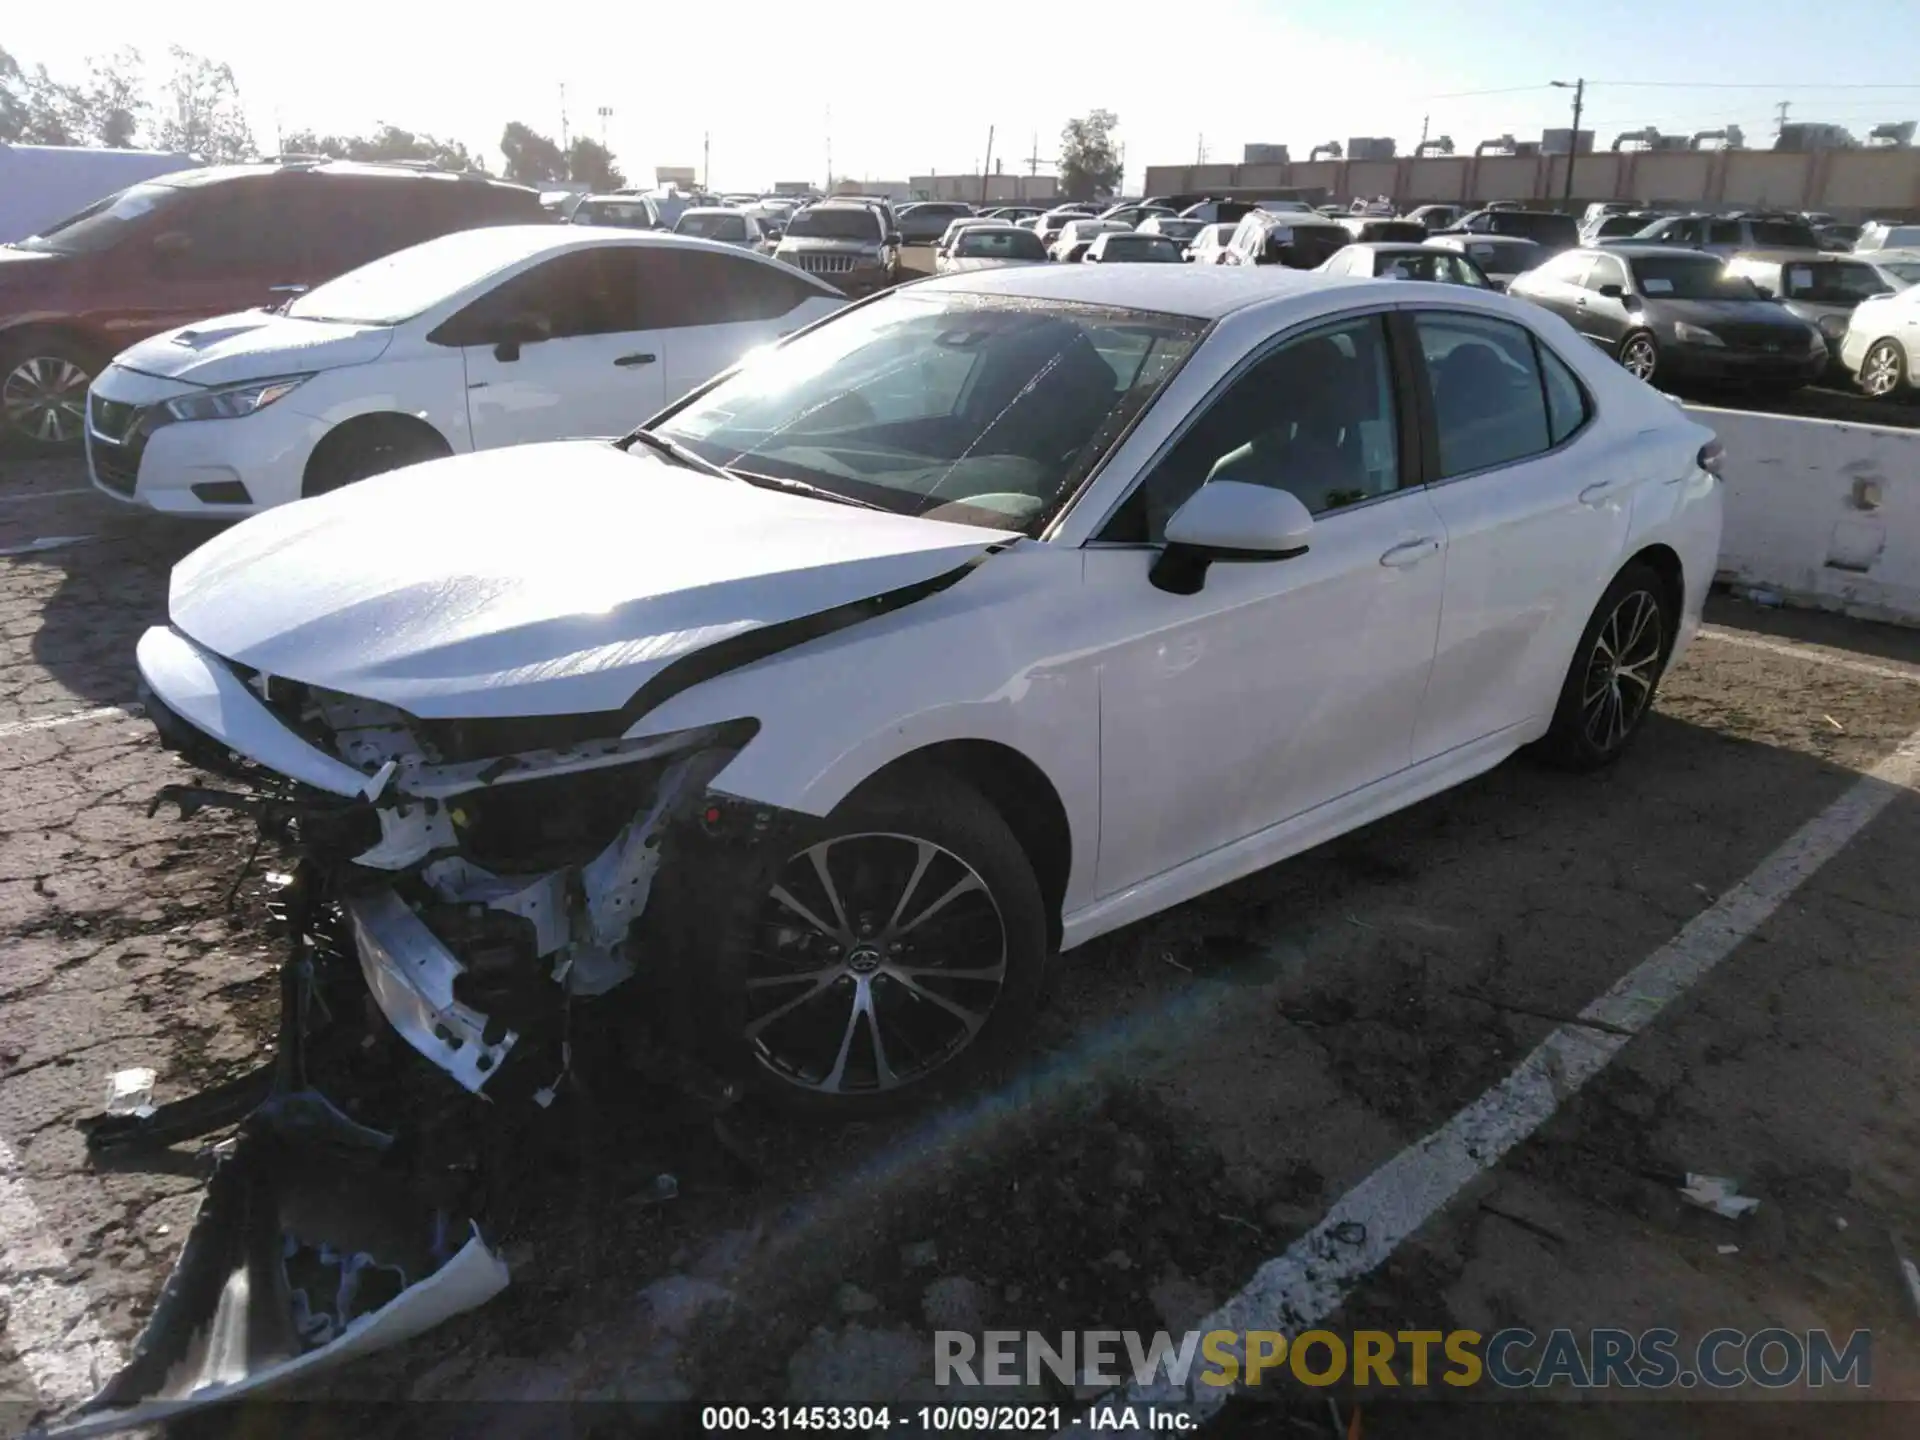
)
(1784, 234)
(696, 287)
(1483, 381)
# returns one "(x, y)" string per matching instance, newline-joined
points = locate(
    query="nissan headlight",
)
(233, 402)
(1695, 335)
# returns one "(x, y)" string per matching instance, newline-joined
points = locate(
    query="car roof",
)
(1203, 292)
(1649, 252)
(1397, 247)
(1472, 237)
(711, 210)
(216, 174)
(1798, 254)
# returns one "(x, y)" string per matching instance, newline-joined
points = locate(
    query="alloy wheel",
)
(1639, 358)
(44, 398)
(1880, 375)
(877, 959)
(1621, 670)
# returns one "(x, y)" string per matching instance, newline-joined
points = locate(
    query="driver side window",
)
(1316, 417)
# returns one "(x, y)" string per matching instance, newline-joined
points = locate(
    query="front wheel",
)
(1883, 374)
(1616, 668)
(1640, 356)
(897, 947)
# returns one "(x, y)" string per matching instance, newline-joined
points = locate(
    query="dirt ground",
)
(1201, 1088)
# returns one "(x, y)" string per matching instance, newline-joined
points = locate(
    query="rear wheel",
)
(898, 948)
(1616, 668)
(1883, 374)
(1640, 356)
(43, 391)
(372, 446)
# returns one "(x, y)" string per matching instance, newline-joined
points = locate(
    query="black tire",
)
(43, 392)
(1599, 714)
(808, 1046)
(1883, 370)
(1639, 344)
(360, 449)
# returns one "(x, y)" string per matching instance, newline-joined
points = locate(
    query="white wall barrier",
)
(1821, 513)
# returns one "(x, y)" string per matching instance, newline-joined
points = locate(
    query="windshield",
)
(1441, 268)
(847, 224)
(1905, 270)
(1176, 229)
(603, 212)
(977, 244)
(986, 410)
(1831, 282)
(408, 282)
(1622, 225)
(102, 224)
(712, 227)
(1684, 277)
(1138, 247)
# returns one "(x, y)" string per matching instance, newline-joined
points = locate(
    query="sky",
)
(884, 92)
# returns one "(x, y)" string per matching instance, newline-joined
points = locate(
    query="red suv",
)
(197, 243)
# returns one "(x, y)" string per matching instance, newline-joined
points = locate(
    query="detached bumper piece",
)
(315, 1242)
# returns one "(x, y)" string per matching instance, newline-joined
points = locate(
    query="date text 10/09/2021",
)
(922, 1419)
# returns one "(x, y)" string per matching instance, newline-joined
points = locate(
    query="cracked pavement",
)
(1200, 1088)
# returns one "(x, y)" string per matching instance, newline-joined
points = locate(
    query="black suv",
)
(197, 243)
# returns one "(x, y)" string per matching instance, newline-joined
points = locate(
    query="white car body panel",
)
(557, 389)
(1190, 739)
(621, 565)
(1884, 317)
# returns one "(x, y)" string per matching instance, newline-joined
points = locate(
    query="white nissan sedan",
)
(477, 339)
(989, 616)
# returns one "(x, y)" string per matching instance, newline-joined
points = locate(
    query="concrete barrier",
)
(1821, 513)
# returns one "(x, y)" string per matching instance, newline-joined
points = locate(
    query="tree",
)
(50, 113)
(532, 158)
(591, 163)
(202, 114)
(13, 100)
(113, 102)
(1089, 160)
(391, 143)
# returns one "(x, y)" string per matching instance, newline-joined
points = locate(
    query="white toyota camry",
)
(481, 338)
(988, 616)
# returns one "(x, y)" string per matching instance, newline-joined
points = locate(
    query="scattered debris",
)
(1242, 1222)
(850, 1299)
(1727, 1249)
(1839, 1222)
(954, 1302)
(1118, 1259)
(1909, 1274)
(1835, 723)
(130, 1092)
(1167, 956)
(1718, 1194)
(919, 1254)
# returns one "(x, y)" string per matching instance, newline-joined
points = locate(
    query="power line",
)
(1743, 85)
(1504, 90)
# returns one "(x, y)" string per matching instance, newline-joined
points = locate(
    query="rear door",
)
(1558, 286)
(599, 372)
(1604, 319)
(1536, 510)
(710, 308)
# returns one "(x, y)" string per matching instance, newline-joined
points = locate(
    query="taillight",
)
(1713, 457)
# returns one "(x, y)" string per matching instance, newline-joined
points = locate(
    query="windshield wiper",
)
(801, 487)
(676, 452)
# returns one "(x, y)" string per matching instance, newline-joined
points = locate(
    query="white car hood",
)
(254, 345)
(538, 580)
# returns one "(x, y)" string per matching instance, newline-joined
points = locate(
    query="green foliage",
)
(1089, 159)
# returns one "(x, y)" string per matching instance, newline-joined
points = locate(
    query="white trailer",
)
(40, 184)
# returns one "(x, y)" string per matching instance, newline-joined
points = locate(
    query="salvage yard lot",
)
(1203, 1087)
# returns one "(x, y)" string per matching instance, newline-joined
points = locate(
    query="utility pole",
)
(1200, 151)
(605, 112)
(706, 161)
(1423, 135)
(829, 186)
(986, 168)
(563, 117)
(1780, 124)
(1579, 88)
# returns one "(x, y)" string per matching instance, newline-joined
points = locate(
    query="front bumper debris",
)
(316, 1241)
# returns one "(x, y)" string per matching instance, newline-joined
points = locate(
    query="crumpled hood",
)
(254, 345)
(547, 579)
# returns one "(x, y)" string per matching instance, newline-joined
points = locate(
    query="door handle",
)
(1411, 552)
(1599, 494)
(628, 361)
(1581, 303)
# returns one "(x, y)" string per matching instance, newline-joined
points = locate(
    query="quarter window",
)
(1483, 379)
(1315, 417)
(1566, 398)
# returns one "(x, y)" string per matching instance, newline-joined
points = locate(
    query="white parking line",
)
(46, 542)
(61, 1346)
(1312, 1279)
(1808, 652)
(131, 710)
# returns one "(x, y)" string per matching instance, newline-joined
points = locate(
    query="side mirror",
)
(1614, 292)
(1632, 302)
(518, 330)
(1229, 520)
(893, 237)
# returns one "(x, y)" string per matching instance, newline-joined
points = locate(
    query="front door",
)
(1536, 512)
(1283, 683)
(597, 372)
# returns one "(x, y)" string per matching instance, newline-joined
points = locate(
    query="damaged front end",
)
(472, 887)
